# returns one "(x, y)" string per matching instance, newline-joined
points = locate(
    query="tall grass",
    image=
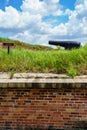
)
(72, 62)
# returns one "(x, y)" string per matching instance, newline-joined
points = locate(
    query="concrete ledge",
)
(41, 80)
(4, 75)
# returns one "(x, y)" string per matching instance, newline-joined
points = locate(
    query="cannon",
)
(66, 44)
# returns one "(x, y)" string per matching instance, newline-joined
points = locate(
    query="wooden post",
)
(8, 45)
(8, 49)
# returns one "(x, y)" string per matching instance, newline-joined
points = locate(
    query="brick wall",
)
(23, 108)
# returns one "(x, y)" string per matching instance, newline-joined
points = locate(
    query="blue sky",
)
(38, 21)
(15, 3)
(68, 4)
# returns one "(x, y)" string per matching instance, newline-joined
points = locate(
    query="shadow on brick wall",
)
(80, 125)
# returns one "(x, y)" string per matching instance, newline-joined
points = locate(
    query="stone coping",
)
(40, 78)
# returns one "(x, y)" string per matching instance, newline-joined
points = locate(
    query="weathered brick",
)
(62, 108)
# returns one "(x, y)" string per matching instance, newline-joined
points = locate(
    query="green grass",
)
(20, 44)
(71, 62)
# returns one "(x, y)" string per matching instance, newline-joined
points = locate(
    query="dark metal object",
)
(66, 44)
(8, 45)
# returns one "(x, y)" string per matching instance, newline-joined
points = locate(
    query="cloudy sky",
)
(38, 21)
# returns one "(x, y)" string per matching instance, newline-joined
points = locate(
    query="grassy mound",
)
(20, 44)
(72, 62)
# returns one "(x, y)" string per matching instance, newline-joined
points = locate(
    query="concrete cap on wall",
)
(42, 79)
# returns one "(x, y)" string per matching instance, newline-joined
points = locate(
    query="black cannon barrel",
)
(66, 44)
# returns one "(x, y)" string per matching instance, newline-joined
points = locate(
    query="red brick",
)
(62, 108)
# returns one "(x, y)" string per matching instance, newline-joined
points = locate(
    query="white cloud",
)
(32, 7)
(78, 20)
(44, 8)
(9, 18)
(28, 25)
